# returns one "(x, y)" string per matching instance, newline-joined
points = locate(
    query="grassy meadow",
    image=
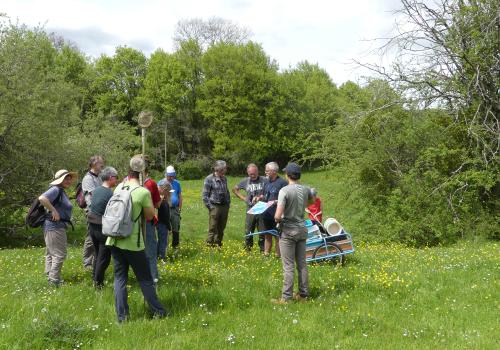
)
(387, 296)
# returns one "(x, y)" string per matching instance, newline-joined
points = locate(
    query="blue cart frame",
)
(320, 246)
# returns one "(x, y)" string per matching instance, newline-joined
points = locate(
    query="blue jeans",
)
(122, 260)
(162, 240)
(151, 249)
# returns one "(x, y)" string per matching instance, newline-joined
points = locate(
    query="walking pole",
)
(144, 120)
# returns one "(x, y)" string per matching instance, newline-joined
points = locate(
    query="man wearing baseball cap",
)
(292, 202)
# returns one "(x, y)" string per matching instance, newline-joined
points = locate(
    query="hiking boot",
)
(298, 297)
(280, 301)
(98, 286)
(55, 283)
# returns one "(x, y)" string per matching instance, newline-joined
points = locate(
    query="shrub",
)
(194, 168)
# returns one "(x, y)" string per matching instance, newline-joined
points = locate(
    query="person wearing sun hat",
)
(174, 210)
(58, 204)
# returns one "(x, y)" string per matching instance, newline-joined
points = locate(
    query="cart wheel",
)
(330, 248)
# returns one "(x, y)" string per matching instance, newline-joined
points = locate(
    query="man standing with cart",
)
(292, 202)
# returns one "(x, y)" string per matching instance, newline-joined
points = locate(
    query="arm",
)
(180, 200)
(149, 213)
(278, 215)
(46, 203)
(206, 193)
(279, 212)
(237, 192)
(88, 187)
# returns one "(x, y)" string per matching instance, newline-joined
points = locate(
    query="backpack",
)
(117, 220)
(37, 214)
(80, 196)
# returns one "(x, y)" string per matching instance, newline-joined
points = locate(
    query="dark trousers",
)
(122, 259)
(175, 221)
(102, 256)
(253, 222)
(216, 224)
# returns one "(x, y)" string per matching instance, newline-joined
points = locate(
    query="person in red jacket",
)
(315, 211)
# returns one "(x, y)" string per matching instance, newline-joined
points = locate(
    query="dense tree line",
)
(418, 149)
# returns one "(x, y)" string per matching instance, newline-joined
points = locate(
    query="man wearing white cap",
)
(175, 204)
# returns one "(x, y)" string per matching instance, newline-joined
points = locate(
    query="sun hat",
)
(170, 171)
(162, 182)
(292, 168)
(137, 163)
(61, 174)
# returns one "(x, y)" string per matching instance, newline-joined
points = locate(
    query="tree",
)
(448, 54)
(36, 105)
(211, 32)
(237, 100)
(171, 90)
(41, 88)
(118, 82)
(447, 61)
(310, 95)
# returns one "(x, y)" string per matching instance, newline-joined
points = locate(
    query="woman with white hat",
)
(58, 204)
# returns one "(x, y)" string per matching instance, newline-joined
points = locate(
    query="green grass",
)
(385, 297)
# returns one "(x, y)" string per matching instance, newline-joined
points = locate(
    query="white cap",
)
(170, 171)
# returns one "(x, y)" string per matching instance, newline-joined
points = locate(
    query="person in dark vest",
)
(90, 182)
(175, 205)
(163, 225)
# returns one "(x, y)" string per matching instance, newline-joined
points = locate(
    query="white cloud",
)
(326, 32)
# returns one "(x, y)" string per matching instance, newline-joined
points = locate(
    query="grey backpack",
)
(117, 220)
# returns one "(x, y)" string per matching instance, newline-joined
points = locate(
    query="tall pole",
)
(144, 120)
(165, 143)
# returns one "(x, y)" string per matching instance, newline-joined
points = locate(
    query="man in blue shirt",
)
(271, 190)
(253, 185)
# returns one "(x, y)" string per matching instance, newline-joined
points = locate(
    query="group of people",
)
(287, 201)
(160, 204)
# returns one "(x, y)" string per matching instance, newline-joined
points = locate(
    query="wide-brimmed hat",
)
(61, 174)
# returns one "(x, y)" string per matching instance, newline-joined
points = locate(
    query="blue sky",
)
(328, 32)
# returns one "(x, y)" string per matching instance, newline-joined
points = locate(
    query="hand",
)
(55, 216)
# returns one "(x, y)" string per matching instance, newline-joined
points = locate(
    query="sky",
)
(330, 33)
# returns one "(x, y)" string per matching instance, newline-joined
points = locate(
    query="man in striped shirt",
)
(217, 200)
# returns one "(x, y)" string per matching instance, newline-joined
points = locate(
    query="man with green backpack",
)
(127, 243)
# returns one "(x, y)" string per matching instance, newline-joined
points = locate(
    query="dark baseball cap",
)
(292, 168)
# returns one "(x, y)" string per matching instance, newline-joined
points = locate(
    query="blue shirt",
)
(174, 196)
(271, 191)
(63, 207)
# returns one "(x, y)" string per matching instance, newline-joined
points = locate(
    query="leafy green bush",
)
(195, 168)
